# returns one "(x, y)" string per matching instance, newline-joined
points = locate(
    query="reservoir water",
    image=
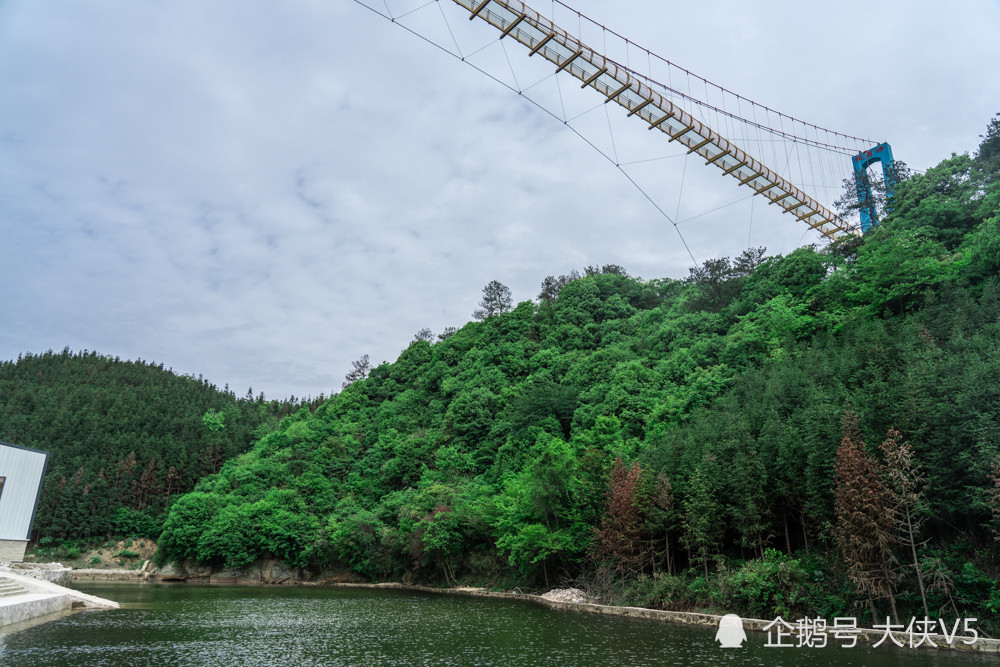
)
(162, 624)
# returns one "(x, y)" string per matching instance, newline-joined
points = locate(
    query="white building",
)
(21, 474)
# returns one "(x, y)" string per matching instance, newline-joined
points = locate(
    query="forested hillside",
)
(124, 437)
(811, 433)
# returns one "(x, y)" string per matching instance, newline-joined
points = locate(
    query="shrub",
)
(661, 591)
(774, 585)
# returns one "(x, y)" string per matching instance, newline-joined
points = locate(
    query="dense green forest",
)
(124, 437)
(810, 433)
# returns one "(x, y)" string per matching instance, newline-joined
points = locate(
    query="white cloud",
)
(261, 193)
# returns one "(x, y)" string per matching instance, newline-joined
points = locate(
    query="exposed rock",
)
(106, 574)
(228, 576)
(566, 595)
(267, 571)
(276, 572)
(270, 571)
(171, 572)
(196, 570)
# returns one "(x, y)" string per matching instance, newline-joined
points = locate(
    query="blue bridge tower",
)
(866, 199)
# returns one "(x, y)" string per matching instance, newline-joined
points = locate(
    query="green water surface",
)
(179, 624)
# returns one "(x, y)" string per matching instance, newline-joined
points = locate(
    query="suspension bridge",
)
(792, 164)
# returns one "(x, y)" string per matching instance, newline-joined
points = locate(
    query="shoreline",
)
(867, 635)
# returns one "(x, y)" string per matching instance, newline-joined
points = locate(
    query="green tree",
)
(538, 512)
(551, 286)
(442, 539)
(355, 538)
(872, 194)
(661, 516)
(994, 496)
(702, 513)
(988, 154)
(360, 370)
(189, 518)
(496, 301)
(895, 270)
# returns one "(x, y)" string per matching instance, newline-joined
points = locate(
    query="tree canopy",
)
(124, 437)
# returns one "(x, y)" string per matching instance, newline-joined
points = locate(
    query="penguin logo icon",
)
(730, 634)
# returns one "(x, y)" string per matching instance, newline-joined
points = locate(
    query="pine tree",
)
(359, 371)
(551, 286)
(988, 154)
(496, 300)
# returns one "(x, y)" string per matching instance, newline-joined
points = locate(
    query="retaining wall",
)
(12, 551)
(20, 608)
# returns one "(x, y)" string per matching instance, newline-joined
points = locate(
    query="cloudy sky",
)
(261, 192)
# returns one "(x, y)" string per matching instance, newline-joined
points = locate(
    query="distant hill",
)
(124, 436)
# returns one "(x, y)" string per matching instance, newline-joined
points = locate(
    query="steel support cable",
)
(504, 13)
(482, 48)
(540, 81)
(555, 117)
(562, 102)
(716, 209)
(812, 167)
(841, 150)
(584, 113)
(833, 148)
(444, 18)
(414, 11)
(801, 238)
(731, 131)
(655, 159)
(510, 65)
(821, 166)
(680, 191)
(611, 133)
(669, 63)
(628, 176)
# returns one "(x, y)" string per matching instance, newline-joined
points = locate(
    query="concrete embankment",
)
(867, 635)
(263, 572)
(25, 598)
(126, 576)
